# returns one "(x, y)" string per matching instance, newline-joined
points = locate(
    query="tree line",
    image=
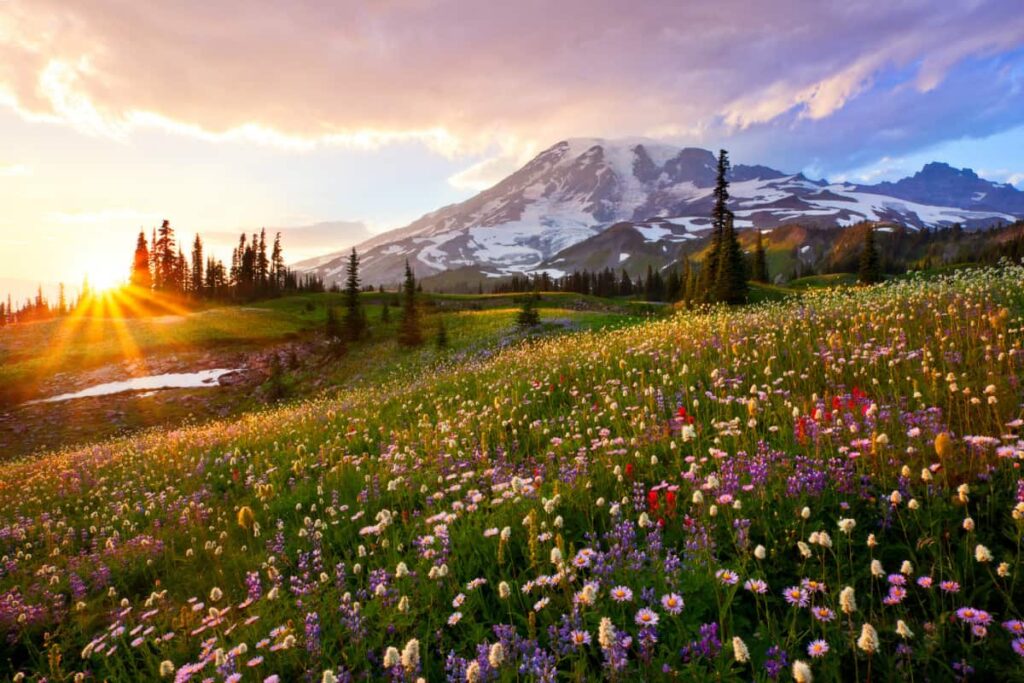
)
(161, 265)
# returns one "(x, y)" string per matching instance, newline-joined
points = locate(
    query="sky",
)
(231, 115)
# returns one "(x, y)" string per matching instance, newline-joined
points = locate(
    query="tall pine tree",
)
(196, 285)
(731, 273)
(166, 258)
(719, 215)
(870, 270)
(141, 276)
(355, 316)
(409, 332)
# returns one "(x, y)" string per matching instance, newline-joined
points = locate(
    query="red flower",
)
(629, 470)
(652, 500)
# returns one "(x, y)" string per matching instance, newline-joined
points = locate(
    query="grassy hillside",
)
(711, 496)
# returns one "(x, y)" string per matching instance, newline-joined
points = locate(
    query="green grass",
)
(653, 456)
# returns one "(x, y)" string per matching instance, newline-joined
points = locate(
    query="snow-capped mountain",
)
(578, 188)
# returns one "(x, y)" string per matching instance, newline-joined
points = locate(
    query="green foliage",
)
(409, 332)
(355, 317)
(870, 268)
(528, 316)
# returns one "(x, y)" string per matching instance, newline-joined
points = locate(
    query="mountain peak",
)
(576, 189)
(940, 169)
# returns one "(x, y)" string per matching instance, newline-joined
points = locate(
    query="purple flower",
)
(817, 648)
(621, 594)
(580, 638)
(672, 603)
(795, 595)
(646, 617)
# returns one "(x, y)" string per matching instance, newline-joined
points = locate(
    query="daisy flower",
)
(646, 617)
(672, 603)
(817, 648)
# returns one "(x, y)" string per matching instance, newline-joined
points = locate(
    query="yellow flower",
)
(943, 446)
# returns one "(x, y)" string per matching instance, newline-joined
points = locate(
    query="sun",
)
(106, 273)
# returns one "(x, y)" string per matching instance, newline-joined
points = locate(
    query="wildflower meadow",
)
(825, 488)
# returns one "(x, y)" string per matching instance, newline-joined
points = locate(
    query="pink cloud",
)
(467, 75)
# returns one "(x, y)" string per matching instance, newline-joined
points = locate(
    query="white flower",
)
(802, 672)
(968, 524)
(982, 554)
(496, 656)
(903, 630)
(606, 634)
(760, 552)
(740, 651)
(876, 569)
(847, 525)
(328, 677)
(868, 640)
(411, 655)
(806, 513)
(391, 657)
(848, 600)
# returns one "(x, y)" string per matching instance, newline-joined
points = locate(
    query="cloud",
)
(464, 78)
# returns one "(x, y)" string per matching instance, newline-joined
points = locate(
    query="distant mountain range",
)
(588, 196)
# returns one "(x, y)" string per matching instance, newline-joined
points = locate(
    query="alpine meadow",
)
(378, 371)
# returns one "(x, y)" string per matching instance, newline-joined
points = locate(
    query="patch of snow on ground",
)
(623, 256)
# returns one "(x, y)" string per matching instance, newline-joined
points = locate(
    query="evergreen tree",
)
(166, 259)
(355, 317)
(277, 266)
(262, 262)
(181, 276)
(385, 313)
(197, 267)
(719, 215)
(62, 301)
(760, 266)
(141, 276)
(870, 270)
(409, 334)
(730, 275)
(625, 284)
(528, 315)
